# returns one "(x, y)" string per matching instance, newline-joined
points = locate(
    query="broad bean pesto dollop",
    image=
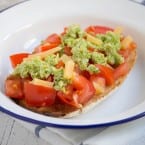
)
(87, 51)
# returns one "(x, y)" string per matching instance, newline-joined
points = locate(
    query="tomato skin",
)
(79, 93)
(107, 73)
(67, 51)
(84, 89)
(38, 96)
(53, 38)
(86, 74)
(45, 47)
(67, 97)
(98, 29)
(14, 88)
(17, 58)
(51, 41)
(121, 70)
(60, 64)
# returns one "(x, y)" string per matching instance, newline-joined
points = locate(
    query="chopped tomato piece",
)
(14, 88)
(121, 70)
(91, 49)
(67, 51)
(17, 58)
(60, 64)
(84, 73)
(38, 95)
(50, 78)
(67, 100)
(67, 97)
(107, 73)
(45, 47)
(52, 41)
(84, 89)
(98, 29)
(53, 38)
(81, 91)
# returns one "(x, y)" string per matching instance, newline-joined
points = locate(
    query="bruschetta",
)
(68, 73)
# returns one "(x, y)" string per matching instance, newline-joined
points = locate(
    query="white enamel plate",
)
(25, 25)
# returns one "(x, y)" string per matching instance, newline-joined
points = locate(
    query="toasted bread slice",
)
(60, 109)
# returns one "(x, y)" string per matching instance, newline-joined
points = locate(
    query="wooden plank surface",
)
(13, 133)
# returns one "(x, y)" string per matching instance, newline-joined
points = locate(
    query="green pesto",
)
(59, 81)
(99, 58)
(81, 54)
(52, 59)
(92, 69)
(42, 69)
(110, 46)
(105, 53)
(72, 33)
(34, 67)
(74, 38)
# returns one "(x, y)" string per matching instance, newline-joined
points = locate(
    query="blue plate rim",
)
(46, 124)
